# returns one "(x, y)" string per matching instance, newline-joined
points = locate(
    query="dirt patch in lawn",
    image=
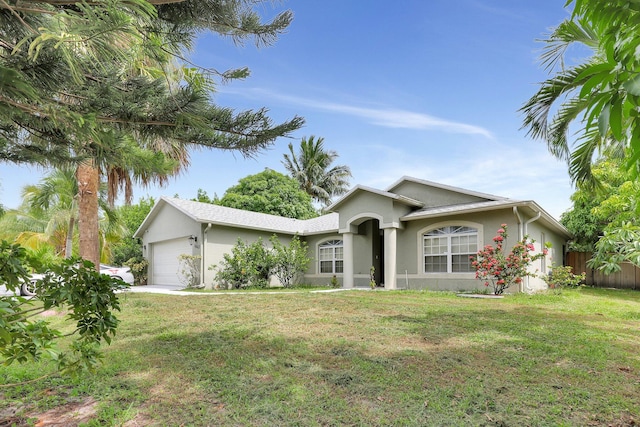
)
(69, 415)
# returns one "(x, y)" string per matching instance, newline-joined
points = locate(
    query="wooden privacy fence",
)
(627, 278)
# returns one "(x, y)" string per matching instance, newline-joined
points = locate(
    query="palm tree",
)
(106, 97)
(48, 217)
(599, 96)
(311, 167)
(557, 103)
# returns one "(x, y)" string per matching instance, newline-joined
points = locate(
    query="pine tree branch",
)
(5, 5)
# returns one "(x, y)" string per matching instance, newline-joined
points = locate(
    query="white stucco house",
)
(417, 234)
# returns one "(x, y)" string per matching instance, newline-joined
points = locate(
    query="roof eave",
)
(319, 232)
(516, 203)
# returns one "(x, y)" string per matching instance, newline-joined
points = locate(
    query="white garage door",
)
(165, 260)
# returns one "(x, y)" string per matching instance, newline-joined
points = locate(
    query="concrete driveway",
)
(160, 289)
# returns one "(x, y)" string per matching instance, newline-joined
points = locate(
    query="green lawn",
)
(356, 358)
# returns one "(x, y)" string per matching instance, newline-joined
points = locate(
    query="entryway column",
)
(390, 258)
(347, 259)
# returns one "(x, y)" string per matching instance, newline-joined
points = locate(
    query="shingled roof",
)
(207, 213)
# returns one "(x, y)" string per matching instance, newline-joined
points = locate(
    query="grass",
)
(275, 289)
(358, 358)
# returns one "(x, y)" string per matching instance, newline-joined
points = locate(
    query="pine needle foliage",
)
(106, 87)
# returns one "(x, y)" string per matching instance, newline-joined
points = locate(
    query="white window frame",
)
(448, 274)
(335, 258)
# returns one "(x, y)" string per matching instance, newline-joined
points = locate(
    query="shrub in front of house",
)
(248, 265)
(289, 262)
(561, 276)
(251, 265)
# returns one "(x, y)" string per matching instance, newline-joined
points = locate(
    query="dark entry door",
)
(377, 246)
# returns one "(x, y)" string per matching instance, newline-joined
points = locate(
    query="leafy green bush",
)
(140, 269)
(289, 262)
(248, 265)
(563, 277)
(334, 283)
(253, 264)
(75, 285)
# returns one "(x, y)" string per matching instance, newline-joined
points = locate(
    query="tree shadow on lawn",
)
(473, 367)
(542, 332)
(539, 348)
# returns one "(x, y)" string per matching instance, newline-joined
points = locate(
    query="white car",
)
(122, 273)
(28, 289)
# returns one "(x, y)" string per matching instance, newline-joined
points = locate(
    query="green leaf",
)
(598, 102)
(603, 120)
(633, 85)
(615, 118)
(594, 81)
(594, 69)
(634, 145)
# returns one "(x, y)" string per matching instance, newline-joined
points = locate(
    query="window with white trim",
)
(330, 257)
(449, 249)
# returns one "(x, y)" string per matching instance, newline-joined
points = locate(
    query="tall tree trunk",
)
(88, 176)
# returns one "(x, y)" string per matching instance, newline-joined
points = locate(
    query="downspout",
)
(529, 221)
(535, 218)
(522, 232)
(517, 214)
(204, 244)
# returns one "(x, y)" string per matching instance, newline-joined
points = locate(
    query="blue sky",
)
(429, 89)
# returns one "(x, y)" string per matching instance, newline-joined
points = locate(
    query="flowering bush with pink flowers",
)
(500, 269)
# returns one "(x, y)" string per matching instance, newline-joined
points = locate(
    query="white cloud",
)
(385, 117)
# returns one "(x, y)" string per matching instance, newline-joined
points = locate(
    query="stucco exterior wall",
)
(365, 205)
(433, 196)
(168, 224)
(542, 235)
(410, 273)
(220, 240)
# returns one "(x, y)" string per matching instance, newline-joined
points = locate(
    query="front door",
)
(377, 246)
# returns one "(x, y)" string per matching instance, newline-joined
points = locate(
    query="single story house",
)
(417, 234)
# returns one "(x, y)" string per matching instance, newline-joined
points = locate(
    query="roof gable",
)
(436, 194)
(361, 188)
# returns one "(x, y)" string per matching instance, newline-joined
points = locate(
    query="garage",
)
(165, 260)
